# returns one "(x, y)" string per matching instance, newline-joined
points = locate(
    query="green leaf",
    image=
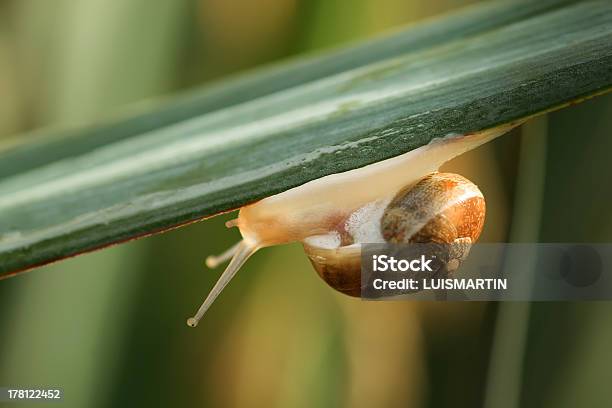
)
(221, 147)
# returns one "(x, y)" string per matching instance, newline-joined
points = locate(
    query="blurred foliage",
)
(109, 327)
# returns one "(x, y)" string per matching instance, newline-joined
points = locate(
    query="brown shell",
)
(340, 268)
(441, 208)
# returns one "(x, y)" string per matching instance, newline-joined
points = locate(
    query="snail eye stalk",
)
(239, 253)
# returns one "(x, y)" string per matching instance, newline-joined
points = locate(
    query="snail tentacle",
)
(213, 261)
(241, 252)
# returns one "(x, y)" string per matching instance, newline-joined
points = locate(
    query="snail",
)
(399, 200)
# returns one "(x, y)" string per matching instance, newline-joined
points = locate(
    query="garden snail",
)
(398, 199)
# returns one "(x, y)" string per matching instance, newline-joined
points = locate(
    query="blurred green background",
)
(109, 327)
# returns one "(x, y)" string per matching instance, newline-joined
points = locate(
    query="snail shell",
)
(333, 215)
(442, 208)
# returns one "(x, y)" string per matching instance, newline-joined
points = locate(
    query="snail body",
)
(398, 200)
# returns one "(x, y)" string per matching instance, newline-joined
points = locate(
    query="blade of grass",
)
(153, 174)
(504, 382)
(472, 21)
